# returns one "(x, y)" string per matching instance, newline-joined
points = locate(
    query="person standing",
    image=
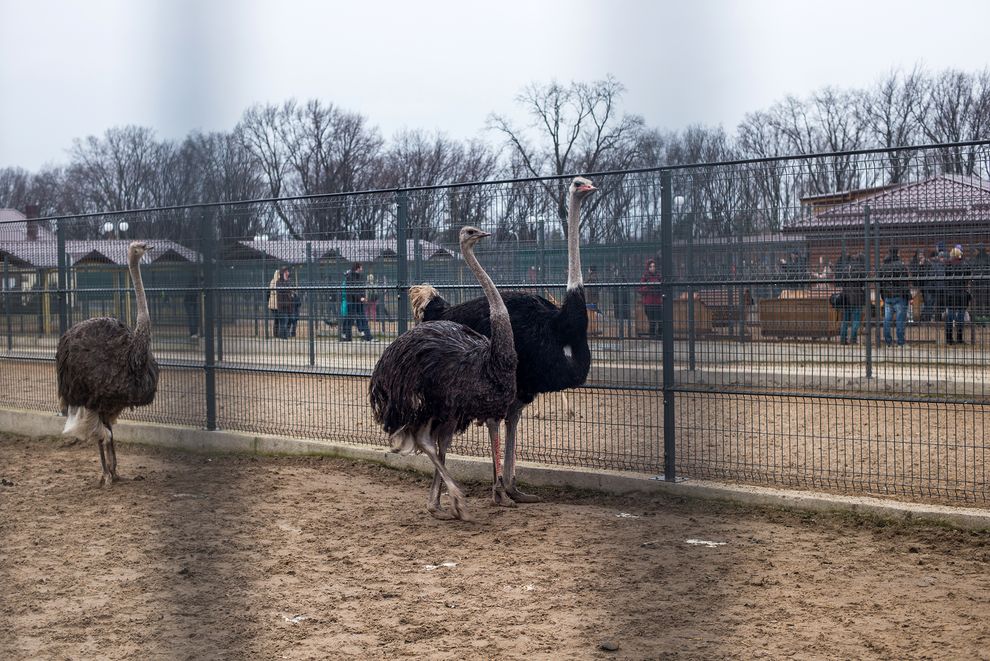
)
(354, 297)
(190, 301)
(284, 303)
(853, 297)
(979, 271)
(895, 292)
(621, 300)
(273, 302)
(956, 296)
(591, 293)
(652, 294)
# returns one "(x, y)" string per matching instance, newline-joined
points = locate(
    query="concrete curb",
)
(473, 469)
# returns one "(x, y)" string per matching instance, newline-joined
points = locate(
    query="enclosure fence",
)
(815, 322)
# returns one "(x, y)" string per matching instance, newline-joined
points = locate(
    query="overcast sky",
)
(69, 69)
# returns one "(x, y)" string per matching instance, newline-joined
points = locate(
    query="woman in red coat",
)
(652, 297)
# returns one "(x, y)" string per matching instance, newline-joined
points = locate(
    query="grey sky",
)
(69, 69)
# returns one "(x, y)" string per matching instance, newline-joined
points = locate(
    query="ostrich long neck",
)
(574, 277)
(499, 315)
(143, 326)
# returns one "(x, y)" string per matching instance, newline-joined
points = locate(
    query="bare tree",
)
(573, 129)
(889, 113)
(119, 170)
(262, 130)
(957, 109)
(14, 186)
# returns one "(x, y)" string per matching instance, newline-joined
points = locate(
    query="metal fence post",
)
(310, 326)
(667, 324)
(401, 261)
(6, 303)
(63, 279)
(418, 255)
(209, 296)
(869, 288)
(690, 289)
(875, 231)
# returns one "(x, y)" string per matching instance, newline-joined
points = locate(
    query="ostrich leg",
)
(112, 456)
(509, 469)
(433, 450)
(499, 495)
(106, 479)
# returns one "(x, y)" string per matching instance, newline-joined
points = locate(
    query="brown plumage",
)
(104, 367)
(435, 379)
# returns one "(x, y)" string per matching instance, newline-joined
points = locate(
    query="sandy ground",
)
(302, 558)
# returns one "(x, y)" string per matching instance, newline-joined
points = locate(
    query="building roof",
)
(14, 227)
(44, 254)
(363, 250)
(942, 199)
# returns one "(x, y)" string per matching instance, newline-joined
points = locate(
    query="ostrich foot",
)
(438, 512)
(521, 496)
(459, 503)
(499, 495)
(107, 479)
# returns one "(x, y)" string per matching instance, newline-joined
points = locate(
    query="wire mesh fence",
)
(812, 322)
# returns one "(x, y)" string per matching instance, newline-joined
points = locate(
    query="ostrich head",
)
(471, 235)
(137, 249)
(581, 188)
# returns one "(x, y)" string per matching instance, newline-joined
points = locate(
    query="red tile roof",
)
(953, 199)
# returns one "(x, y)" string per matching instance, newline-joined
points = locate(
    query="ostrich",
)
(104, 367)
(438, 377)
(551, 343)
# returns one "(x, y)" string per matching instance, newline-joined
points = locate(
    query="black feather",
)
(440, 371)
(540, 331)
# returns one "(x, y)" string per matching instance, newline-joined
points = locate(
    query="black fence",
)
(816, 322)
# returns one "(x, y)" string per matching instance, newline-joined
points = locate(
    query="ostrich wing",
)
(95, 367)
(543, 338)
(442, 371)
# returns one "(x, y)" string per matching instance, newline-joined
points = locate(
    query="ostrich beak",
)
(586, 189)
(483, 234)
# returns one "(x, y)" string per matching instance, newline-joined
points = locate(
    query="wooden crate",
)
(798, 317)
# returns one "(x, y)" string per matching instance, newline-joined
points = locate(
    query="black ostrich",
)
(103, 367)
(551, 343)
(438, 377)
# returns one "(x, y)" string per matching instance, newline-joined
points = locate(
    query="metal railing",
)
(766, 362)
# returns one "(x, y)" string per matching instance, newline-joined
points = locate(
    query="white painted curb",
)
(37, 423)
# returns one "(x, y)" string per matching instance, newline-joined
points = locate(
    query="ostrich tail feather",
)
(83, 423)
(403, 442)
(420, 296)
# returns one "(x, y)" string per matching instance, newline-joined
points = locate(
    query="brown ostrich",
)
(104, 367)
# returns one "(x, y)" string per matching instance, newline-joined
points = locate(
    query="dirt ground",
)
(237, 557)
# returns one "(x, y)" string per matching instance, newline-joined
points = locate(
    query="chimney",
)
(32, 212)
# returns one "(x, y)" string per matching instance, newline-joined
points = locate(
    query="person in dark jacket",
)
(980, 274)
(190, 301)
(896, 293)
(956, 296)
(283, 301)
(652, 295)
(284, 294)
(354, 297)
(852, 296)
(623, 311)
(920, 270)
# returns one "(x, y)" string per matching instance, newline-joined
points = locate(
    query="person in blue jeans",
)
(895, 292)
(852, 296)
(355, 296)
